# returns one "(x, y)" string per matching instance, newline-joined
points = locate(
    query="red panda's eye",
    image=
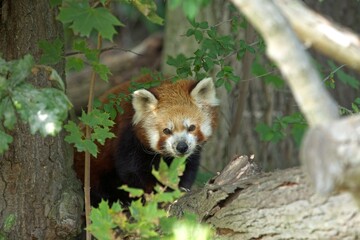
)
(167, 131)
(191, 128)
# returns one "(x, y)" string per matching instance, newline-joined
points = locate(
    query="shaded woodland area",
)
(248, 197)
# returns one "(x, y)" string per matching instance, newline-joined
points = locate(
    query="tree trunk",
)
(37, 184)
(343, 12)
(242, 203)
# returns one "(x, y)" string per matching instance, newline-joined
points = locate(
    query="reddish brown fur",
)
(168, 95)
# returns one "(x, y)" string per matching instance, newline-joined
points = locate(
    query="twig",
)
(105, 50)
(87, 154)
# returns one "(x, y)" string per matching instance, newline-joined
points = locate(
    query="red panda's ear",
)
(143, 102)
(204, 92)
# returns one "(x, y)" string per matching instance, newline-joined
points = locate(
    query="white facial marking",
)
(183, 136)
(153, 138)
(206, 128)
(186, 123)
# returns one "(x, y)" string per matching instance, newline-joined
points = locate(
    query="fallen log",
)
(243, 203)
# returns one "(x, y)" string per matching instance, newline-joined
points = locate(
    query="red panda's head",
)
(173, 119)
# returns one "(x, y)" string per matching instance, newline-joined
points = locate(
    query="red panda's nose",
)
(182, 147)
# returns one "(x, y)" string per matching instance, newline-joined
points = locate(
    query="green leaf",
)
(56, 80)
(204, 25)
(52, 51)
(148, 9)
(167, 197)
(357, 101)
(190, 32)
(76, 137)
(5, 140)
(227, 86)
(298, 132)
(96, 118)
(90, 54)
(265, 132)
(101, 134)
(84, 19)
(257, 69)
(44, 109)
(134, 192)
(344, 77)
(7, 112)
(20, 70)
(169, 175)
(102, 222)
(198, 35)
(54, 3)
(102, 70)
(275, 80)
(74, 63)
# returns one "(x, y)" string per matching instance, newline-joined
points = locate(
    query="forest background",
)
(258, 113)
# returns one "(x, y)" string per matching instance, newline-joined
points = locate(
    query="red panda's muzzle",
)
(182, 147)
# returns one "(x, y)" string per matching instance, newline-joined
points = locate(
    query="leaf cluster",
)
(279, 129)
(99, 122)
(44, 109)
(146, 217)
(214, 51)
(189, 7)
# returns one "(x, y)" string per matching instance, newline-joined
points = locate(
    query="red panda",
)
(170, 120)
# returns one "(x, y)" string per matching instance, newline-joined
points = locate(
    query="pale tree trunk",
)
(345, 13)
(37, 183)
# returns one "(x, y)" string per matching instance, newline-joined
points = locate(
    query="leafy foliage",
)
(44, 109)
(189, 7)
(52, 51)
(84, 19)
(343, 76)
(148, 9)
(100, 123)
(214, 50)
(295, 124)
(148, 220)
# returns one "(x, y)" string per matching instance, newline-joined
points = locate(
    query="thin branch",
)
(105, 50)
(87, 154)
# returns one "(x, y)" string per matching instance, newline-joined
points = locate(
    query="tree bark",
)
(242, 203)
(37, 183)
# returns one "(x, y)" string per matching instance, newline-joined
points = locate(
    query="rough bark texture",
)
(280, 205)
(37, 183)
